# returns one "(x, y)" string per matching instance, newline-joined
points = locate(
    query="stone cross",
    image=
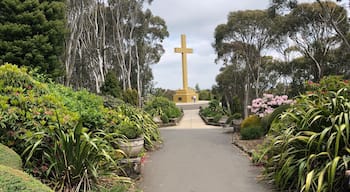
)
(184, 51)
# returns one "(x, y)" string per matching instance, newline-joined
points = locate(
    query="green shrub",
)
(129, 129)
(142, 119)
(252, 132)
(251, 121)
(164, 118)
(158, 106)
(111, 85)
(217, 118)
(130, 96)
(251, 128)
(213, 109)
(16, 180)
(10, 158)
(33, 114)
(309, 146)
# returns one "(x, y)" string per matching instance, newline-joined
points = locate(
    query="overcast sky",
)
(197, 19)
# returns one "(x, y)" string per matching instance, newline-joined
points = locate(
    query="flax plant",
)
(309, 148)
(74, 157)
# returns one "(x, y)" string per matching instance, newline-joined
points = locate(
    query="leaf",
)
(320, 180)
(332, 171)
(309, 179)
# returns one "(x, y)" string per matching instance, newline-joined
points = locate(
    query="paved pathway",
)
(198, 158)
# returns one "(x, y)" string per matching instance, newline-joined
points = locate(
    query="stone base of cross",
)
(185, 96)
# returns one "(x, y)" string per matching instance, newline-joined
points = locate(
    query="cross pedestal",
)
(184, 95)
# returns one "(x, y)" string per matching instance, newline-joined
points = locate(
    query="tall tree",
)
(309, 27)
(241, 42)
(31, 33)
(116, 36)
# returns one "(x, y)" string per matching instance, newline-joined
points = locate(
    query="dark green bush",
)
(129, 129)
(253, 132)
(164, 118)
(111, 85)
(16, 180)
(10, 158)
(251, 128)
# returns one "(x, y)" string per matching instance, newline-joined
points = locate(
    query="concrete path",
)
(198, 158)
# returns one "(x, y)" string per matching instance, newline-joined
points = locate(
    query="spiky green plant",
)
(72, 156)
(309, 148)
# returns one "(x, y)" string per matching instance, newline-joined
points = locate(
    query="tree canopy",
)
(32, 33)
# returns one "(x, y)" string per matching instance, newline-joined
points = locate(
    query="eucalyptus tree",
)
(118, 37)
(241, 42)
(31, 33)
(308, 26)
(137, 44)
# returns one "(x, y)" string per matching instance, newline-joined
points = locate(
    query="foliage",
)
(161, 106)
(15, 180)
(72, 158)
(40, 122)
(205, 95)
(251, 128)
(252, 120)
(164, 118)
(309, 146)
(237, 116)
(129, 129)
(27, 107)
(130, 96)
(327, 83)
(120, 36)
(266, 104)
(31, 34)
(111, 85)
(10, 158)
(142, 120)
(251, 132)
(267, 120)
(89, 106)
(217, 118)
(159, 92)
(213, 109)
(317, 38)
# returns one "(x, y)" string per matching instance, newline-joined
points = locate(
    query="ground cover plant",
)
(10, 158)
(65, 137)
(308, 145)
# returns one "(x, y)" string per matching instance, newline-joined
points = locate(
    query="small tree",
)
(32, 34)
(111, 85)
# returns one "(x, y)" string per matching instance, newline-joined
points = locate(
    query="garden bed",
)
(172, 122)
(247, 146)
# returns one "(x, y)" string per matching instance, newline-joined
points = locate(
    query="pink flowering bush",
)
(266, 104)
